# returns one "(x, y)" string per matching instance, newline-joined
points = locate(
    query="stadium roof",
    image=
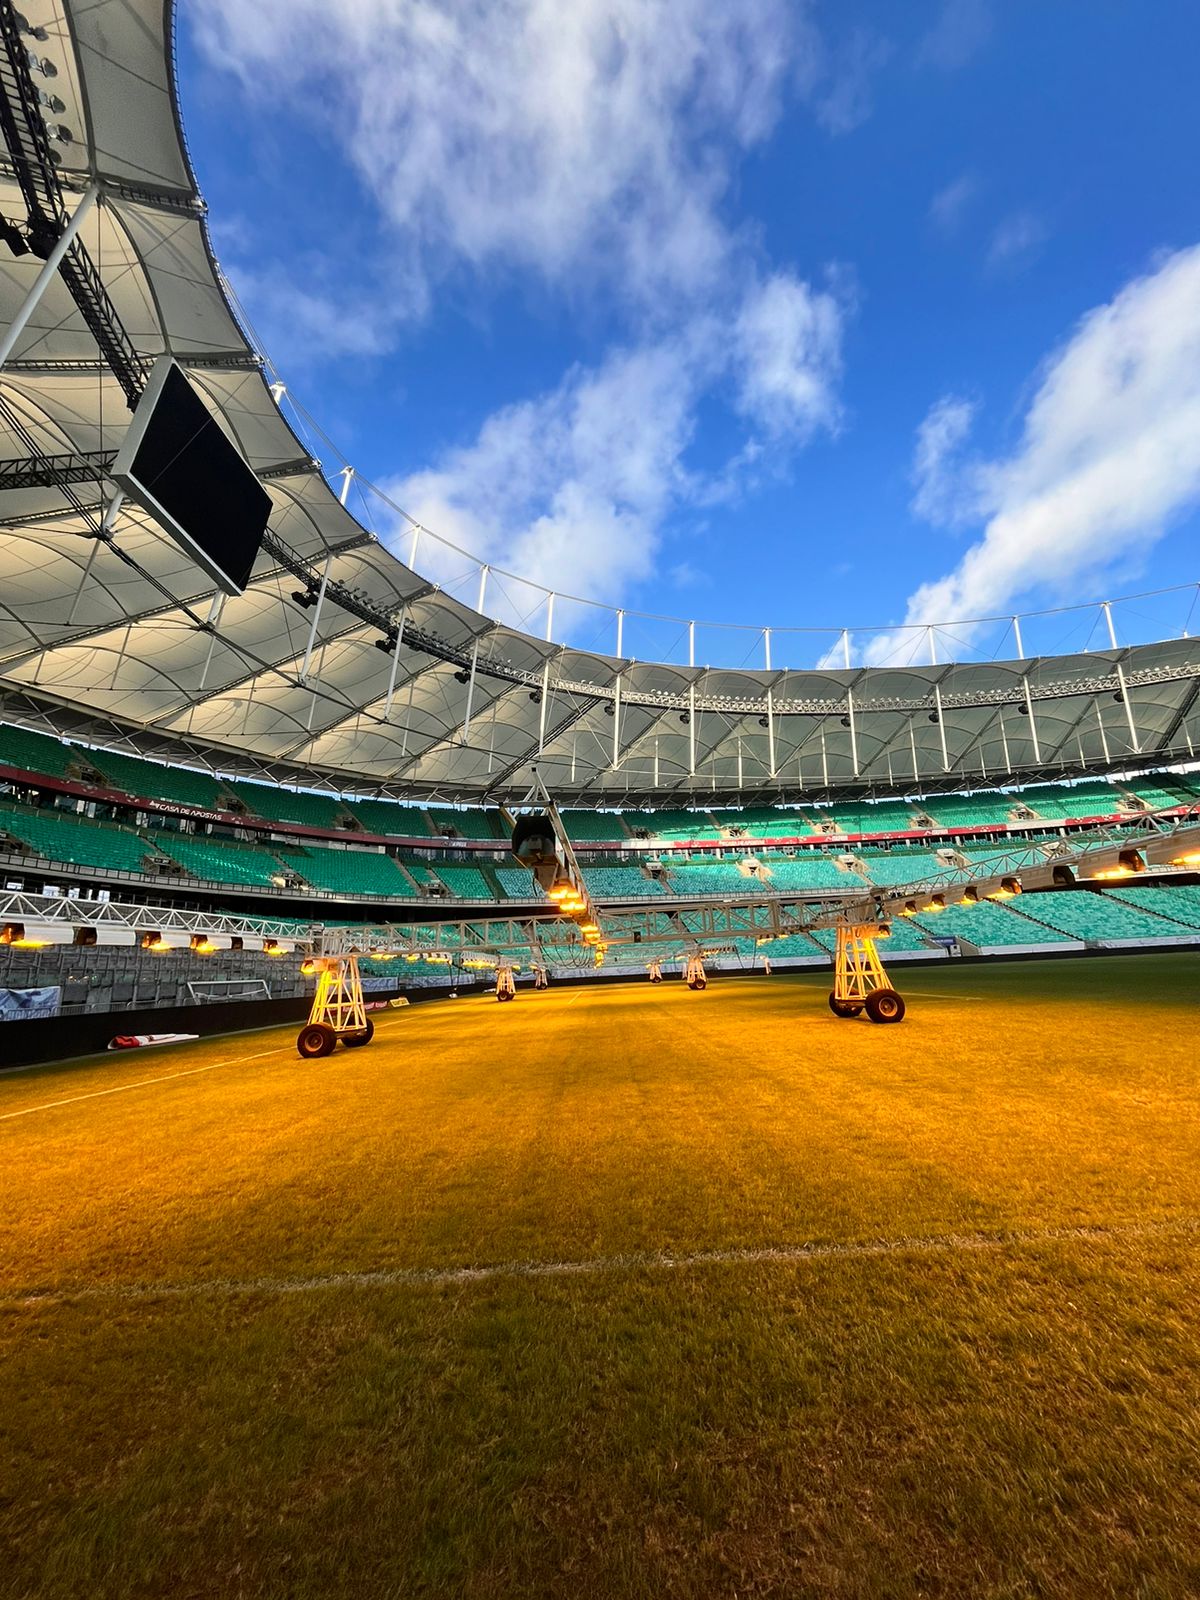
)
(108, 632)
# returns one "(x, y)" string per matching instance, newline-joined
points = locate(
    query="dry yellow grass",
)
(970, 1417)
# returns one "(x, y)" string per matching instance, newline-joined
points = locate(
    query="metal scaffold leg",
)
(338, 1009)
(859, 981)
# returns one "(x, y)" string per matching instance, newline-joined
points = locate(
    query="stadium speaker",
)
(685, 717)
(764, 722)
(462, 676)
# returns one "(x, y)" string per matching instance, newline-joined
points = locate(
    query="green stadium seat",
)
(815, 869)
(40, 753)
(986, 924)
(55, 836)
(219, 860)
(621, 883)
(151, 780)
(464, 882)
(1178, 901)
(765, 822)
(1100, 917)
(359, 872)
(518, 883)
(673, 827)
(390, 819)
(468, 823)
(290, 805)
(588, 826)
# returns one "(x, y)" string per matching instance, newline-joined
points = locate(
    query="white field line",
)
(142, 1083)
(402, 1277)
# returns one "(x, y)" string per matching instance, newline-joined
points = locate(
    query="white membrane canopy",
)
(109, 633)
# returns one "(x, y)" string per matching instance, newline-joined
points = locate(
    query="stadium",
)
(325, 1273)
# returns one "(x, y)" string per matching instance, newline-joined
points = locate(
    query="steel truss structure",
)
(122, 922)
(342, 666)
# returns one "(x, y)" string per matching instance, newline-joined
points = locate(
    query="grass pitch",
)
(624, 1292)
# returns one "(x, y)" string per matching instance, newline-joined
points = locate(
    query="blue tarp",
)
(25, 1005)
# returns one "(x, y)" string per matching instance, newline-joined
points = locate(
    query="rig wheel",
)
(353, 1040)
(844, 1008)
(316, 1039)
(504, 996)
(885, 1005)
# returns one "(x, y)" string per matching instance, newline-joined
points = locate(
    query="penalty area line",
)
(598, 1266)
(142, 1083)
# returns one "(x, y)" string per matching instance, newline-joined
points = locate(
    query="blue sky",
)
(783, 313)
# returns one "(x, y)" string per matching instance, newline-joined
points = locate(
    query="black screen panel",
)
(182, 466)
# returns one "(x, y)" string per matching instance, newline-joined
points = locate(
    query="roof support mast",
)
(49, 267)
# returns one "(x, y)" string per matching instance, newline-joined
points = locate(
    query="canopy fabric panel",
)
(341, 667)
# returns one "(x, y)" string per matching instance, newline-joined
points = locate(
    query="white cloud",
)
(570, 489)
(1109, 454)
(573, 489)
(588, 145)
(961, 29)
(598, 135)
(842, 94)
(787, 339)
(948, 206)
(1016, 241)
(938, 476)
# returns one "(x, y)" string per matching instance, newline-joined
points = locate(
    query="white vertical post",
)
(1103, 731)
(466, 728)
(1004, 743)
(824, 761)
(616, 753)
(391, 688)
(767, 646)
(312, 632)
(912, 744)
(846, 648)
(656, 761)
(412, 549)
(937, 696)
(932, 647)
(1016, 621)
(620, 634)
(1112, 632)
(49, 267)
(853, 730)
(771, 730)
(347, 479)
(542, 708)
(1133, 733)
(1033, 733)
(692, 730)
(691, 644)
(550, 616)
